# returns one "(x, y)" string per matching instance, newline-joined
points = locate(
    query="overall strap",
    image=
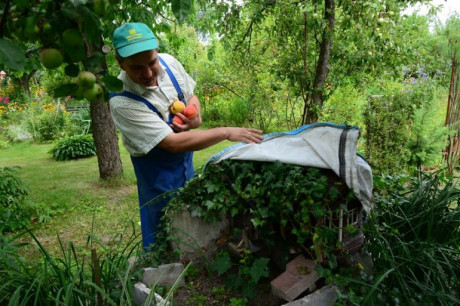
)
(180, 95)
(130, 95)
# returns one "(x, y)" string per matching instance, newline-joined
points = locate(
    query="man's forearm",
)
(193, 140)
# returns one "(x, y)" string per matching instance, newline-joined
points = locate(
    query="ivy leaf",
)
(210, 204)
(11, 55)
(196, 211)
(257, 222)
(259, 269)
(211, 187)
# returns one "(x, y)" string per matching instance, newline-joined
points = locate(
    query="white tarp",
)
(321, 145)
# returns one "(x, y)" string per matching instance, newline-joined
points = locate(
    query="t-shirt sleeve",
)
(141, 128)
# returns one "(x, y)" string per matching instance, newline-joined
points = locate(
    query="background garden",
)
(67, 187)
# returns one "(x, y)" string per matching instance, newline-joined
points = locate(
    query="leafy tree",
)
(78, 35)
(308, 40)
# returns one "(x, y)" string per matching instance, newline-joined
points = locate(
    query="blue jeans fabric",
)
(158, 172)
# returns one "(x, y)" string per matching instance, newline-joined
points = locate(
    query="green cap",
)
(132, 38)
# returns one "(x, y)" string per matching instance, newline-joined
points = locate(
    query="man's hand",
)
(188, 124)
(246, 135)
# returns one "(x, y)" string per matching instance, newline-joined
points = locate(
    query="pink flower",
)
(7, 100)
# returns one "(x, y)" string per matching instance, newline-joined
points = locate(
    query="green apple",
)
(51, 58)
(86, 79)
(72, 38)
(94, 93)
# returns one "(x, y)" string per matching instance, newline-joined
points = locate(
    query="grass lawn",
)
(82, 204)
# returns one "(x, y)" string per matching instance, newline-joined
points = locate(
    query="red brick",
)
(299, 276)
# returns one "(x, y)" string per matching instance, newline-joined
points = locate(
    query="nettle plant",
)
(287, 205)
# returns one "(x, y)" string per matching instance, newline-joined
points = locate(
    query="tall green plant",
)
(428, 139)
(69, 279)
(413, 235)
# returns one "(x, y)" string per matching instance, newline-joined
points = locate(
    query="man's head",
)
(134, 37)
(136, 53)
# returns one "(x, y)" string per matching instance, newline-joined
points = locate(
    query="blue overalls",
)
(158, 172)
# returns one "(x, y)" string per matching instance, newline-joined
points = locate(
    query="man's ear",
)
(119, 60)
(121, 63)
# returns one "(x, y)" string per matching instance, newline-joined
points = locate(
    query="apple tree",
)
(75, 36)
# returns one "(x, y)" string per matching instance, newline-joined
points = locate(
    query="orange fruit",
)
(177, 107)
(178, 120)
(190, 112)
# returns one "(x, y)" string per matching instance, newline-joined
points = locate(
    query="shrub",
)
(389, 124)
(74, 147)
(47, 121)
(13, 192)
(345, 106)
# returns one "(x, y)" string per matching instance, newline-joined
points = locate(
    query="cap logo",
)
(133, 35)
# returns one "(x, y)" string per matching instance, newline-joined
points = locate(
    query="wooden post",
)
(97, 276)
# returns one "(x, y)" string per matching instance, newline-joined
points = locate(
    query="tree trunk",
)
(105, 140)
(25, 81)
(322, 66)
(104, 131)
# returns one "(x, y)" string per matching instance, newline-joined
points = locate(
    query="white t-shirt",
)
(141, 128)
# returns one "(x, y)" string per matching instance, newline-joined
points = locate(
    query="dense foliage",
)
(271, 196)
(285, 207)
(413, 236)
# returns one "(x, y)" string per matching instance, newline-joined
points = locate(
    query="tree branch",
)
(322, 68)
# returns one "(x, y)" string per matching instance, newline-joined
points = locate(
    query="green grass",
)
(89, 206)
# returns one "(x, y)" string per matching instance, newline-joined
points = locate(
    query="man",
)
(161, 150)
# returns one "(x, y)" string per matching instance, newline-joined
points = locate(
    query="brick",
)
(164, 275)
(325, 296)
(299, 276)
(141, 293)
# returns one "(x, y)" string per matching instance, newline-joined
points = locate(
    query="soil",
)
(205, 290)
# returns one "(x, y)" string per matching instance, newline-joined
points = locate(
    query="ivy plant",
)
(280, 201)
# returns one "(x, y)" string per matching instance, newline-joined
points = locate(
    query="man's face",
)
(143, 68)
